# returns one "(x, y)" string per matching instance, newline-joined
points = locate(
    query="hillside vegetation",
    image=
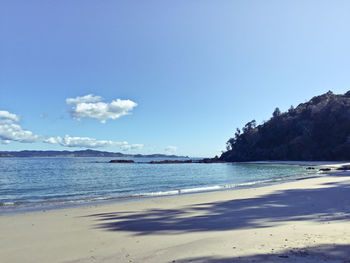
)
(316, 130)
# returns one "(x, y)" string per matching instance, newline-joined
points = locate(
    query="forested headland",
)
(314, 131)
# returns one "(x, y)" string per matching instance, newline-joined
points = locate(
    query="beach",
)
(305, 220)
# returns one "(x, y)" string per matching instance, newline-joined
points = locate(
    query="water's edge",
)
(20, 208)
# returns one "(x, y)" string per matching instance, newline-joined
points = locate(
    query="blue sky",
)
(195, 69)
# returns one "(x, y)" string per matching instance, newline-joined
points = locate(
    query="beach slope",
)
(306, 220)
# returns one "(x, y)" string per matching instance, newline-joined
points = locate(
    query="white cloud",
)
(90, 106)
(52, 140)
(87, 142)
(84, 99)
(171, 149)
(6, 116)
(10, 130)
(129, 147)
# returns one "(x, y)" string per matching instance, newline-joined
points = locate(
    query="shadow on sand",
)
(317, 254)
(331, 203)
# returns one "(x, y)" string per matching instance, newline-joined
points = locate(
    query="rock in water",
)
(121, 161)
(170, 161)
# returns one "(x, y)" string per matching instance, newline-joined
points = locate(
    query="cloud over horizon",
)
(129, 147)
(87, 142)
(10, 130)
(171, 149)
(92, 107)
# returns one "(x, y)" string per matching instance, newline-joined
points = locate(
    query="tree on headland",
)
(249, 126)
(276, 113)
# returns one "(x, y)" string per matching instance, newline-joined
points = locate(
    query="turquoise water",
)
(50, 181)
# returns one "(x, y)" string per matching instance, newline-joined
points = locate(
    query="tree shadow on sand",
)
(316, 254)
(320, 204)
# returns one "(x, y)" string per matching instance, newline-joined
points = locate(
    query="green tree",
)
(276, 113)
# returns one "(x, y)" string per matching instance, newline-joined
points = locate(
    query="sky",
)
(161, 76)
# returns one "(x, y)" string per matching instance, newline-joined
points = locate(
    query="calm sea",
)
(45, 182)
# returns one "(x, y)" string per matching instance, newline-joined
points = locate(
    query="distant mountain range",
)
(313, 131)
(83, 153)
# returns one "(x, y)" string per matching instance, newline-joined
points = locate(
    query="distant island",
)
(318, 130)
(82, 153)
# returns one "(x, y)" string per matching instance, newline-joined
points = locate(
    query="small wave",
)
(6, 204)
(198, 189)
(44, 204)
(54, 202)
(10, 204)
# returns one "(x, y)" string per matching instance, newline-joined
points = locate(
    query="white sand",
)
(302, 221)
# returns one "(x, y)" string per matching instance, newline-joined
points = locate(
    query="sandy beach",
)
(306, 220)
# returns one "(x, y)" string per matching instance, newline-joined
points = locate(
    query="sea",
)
(28, 184)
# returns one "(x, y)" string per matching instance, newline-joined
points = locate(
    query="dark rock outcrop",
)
(170, 161)
(344, 168)
(121, 161)
(211, 160)
(325, 169)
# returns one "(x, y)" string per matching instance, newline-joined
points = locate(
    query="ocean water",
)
(43, 182)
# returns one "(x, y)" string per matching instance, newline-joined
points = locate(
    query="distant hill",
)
(314, 131)
(83, 153)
